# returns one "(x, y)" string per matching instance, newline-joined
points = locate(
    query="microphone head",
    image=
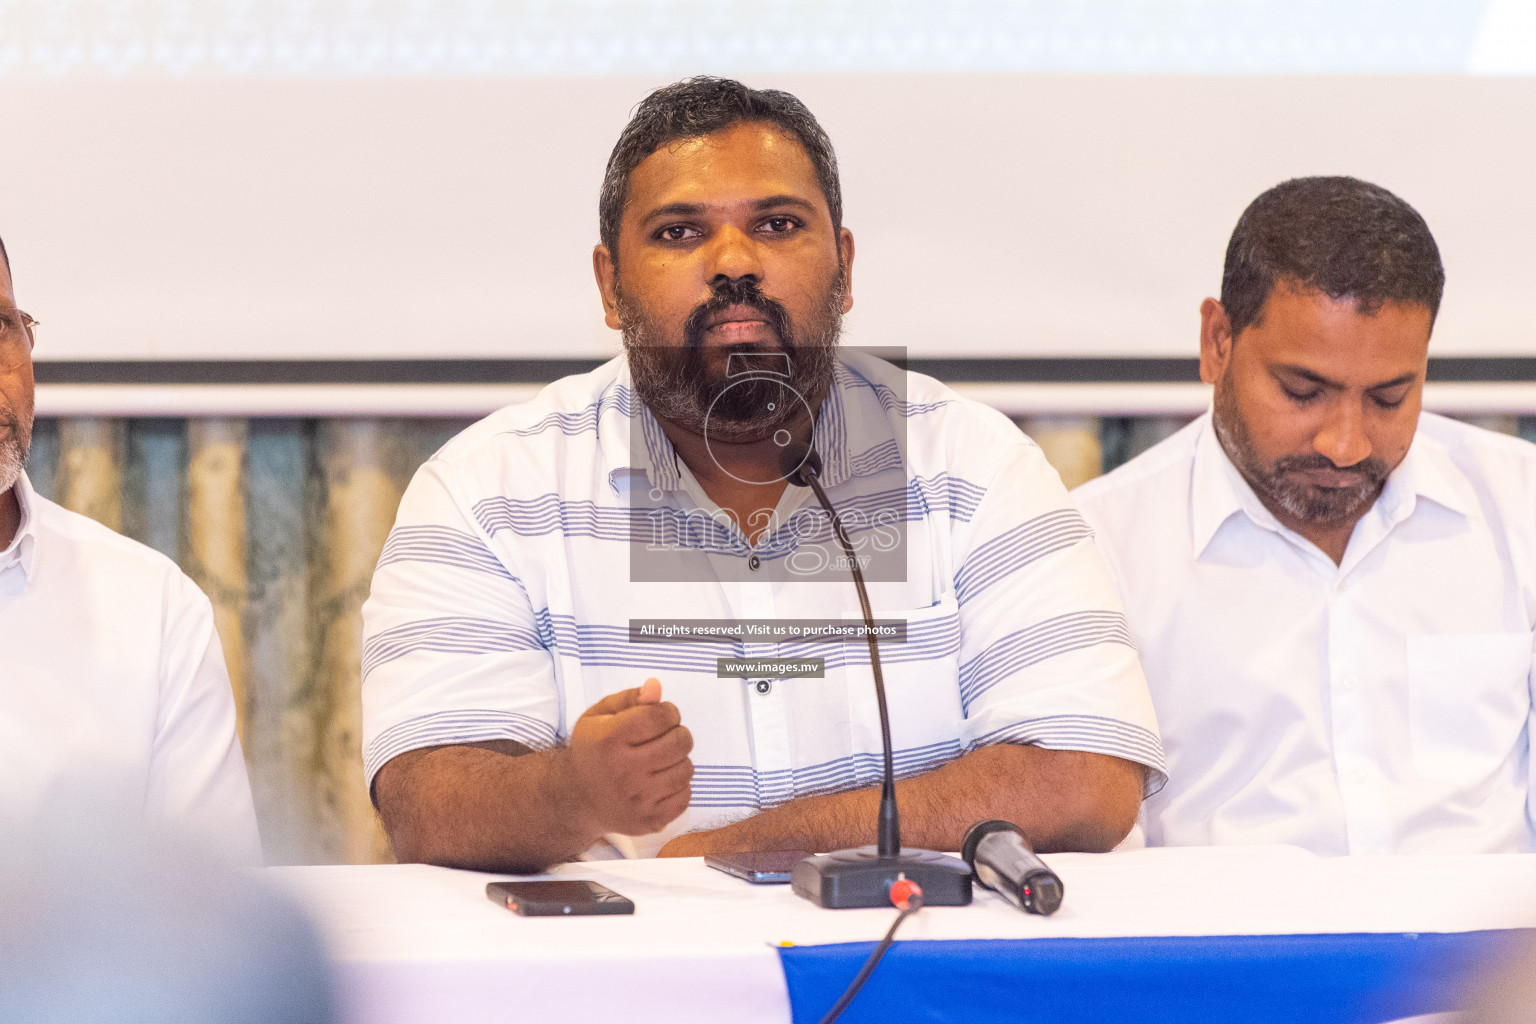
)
(979, 831)
(798, 462)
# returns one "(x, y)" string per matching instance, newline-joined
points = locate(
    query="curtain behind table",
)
(280, 522)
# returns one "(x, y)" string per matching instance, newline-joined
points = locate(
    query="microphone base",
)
(850, 879)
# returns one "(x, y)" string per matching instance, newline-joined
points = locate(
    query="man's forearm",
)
(496, 806)
(482, 808)
(1063, 799)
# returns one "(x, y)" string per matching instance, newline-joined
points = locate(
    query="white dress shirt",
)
(112, 679)
(502, 604)
(1382, 705)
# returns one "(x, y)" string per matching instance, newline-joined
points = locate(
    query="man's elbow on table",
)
(1084, 802)
(434, 804)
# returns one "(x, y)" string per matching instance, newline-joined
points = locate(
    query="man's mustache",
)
(1368, 469)
(737, 292)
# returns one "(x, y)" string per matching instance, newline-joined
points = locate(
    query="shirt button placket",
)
(767, 713)
(1354, 749)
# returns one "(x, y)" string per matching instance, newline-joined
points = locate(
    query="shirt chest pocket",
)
(921, 683)
(1468, 700)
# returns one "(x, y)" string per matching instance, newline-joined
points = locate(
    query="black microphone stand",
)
(863, 877)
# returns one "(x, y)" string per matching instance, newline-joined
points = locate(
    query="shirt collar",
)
(1429, 472)
(847, 444)
(624, 452)
(1219, 491)
(22, 550)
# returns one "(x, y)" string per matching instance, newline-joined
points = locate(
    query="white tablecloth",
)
(421, 944)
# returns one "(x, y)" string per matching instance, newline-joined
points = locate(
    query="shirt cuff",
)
(445, 728)
(1092, 733)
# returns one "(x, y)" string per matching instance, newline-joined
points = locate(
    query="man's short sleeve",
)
(197, 777)
(453, 651)
(1046, 655)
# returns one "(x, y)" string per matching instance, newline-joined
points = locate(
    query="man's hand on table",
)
(628, 762)
(1063, 799)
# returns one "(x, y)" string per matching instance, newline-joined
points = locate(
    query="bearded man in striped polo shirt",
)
(630, 533)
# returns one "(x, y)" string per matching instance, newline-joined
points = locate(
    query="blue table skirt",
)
(1249, 979)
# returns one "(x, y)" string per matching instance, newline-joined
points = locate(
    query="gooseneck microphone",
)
(863, 877)
(999, 854)
(801, 466)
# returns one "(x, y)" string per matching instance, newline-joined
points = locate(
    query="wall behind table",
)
(996, 214)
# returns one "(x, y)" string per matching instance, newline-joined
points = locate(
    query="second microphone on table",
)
(1003, 862)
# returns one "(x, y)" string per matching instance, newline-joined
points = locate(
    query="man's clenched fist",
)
(628, 758)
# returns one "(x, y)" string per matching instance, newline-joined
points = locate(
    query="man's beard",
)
(740, 399)
(15, 439)
(1281, 481)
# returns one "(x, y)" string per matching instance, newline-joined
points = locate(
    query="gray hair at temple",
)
(701, 106)
(1341, 236)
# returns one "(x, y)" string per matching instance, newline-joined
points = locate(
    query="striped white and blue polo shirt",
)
(523, 551)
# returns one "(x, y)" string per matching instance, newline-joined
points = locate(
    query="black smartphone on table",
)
(559, 897)
(767, 867)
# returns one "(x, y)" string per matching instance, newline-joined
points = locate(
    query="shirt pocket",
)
(1468, 700)
(921, 685)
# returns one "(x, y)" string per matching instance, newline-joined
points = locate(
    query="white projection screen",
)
(998, 213)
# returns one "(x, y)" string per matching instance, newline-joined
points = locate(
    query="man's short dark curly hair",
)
(702, 106)
(5, 256)
(1338, 235)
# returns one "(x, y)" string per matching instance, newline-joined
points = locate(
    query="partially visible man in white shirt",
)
(1332, 593)
(111, 674)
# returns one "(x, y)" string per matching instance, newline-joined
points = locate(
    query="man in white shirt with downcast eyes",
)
(113, 689)
(1333, 593)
